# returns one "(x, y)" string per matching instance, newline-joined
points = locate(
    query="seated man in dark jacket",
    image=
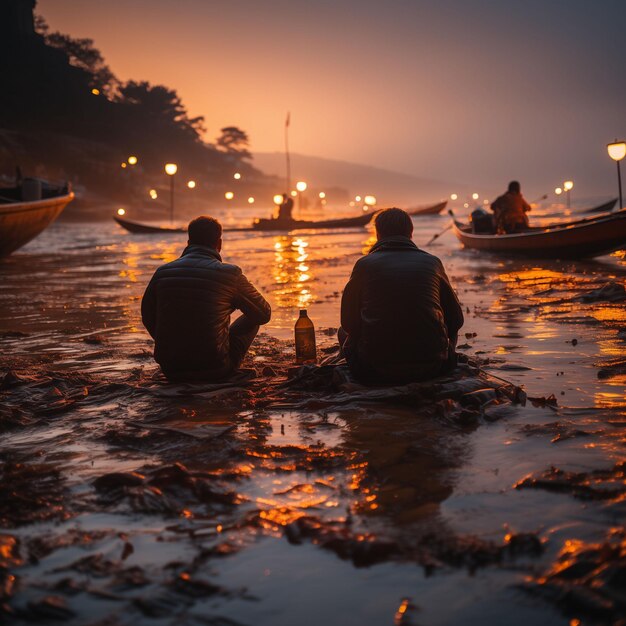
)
(399, 315)
(187, 307)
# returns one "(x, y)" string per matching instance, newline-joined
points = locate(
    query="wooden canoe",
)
(602, 208)
(590, 237)
(145, 229)
(22, 221)
(428, 210)
(264, 225)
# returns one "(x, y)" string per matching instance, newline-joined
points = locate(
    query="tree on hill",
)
(234, 142)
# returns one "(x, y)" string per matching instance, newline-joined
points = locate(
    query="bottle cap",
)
(302, 312)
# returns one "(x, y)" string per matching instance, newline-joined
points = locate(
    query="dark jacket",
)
(510, 212)
(400, 312)
(187, 307)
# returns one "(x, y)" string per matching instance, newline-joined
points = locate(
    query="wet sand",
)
(127, 500)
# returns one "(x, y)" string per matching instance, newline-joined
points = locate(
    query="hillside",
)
(390, 188)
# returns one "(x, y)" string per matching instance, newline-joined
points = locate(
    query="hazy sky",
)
(475, 91)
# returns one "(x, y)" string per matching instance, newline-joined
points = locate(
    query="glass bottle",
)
(305, 339)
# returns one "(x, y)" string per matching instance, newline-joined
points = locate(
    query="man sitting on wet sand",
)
(187, 306)
(400, 317)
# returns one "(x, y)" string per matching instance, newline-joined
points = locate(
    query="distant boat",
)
(259, 225)
(22, 220)
(602, 208)
(589, 237)
(428, 210)
(145, 229)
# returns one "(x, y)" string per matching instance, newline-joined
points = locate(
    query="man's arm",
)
(251, 303)
(148, 308)
(452, 311)
(351, 304)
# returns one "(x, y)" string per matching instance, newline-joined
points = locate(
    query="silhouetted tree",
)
(234, 142)
(81, 53)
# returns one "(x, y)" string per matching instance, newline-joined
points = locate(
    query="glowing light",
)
(236, 175)
(171, 169)
(370, 200)
(474, 196)
(229, 195)
(278, 199)
(617, 150)
(95, 92)
(132, 160)
(567, 185)
(121, 211)
(558, 191)
(485, 201)
(351, 203)
(153, 194)
(123, 165)
(466, 205)
(294, 194)
(357, 198)
(250, 200)
(322, 195)
(301, 185)
(453, 196)
(191, 184)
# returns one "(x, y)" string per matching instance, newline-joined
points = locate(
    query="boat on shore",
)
(23, 219)
(589, 237)
(433, 209)
(262, 224)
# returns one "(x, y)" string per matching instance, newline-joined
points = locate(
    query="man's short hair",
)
(514, 186)
(204, 231)
(393, 222)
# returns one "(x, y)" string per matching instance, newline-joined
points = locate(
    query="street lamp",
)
(568, 185)
(236, 175)
(368, 201)
(132, 160)
(170, 170)
(558, 191)
(617, 151)
(229, 195)
(191, 184)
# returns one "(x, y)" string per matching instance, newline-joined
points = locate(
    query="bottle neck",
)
(303, 313)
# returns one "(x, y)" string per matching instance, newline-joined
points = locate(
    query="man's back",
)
(187, 308)
(399, 309)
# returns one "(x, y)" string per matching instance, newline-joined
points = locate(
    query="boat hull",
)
(573, 240)
(428, 210)
(264, 225)
(22, 221)
(146, 229)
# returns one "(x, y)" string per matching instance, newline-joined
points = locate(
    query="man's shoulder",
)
(190, 263)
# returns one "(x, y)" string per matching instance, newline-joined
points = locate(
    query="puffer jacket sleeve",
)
(452, 311)
(149, 307)
(250, 302)
(351, 304)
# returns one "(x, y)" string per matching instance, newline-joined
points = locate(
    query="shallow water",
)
(266, 525)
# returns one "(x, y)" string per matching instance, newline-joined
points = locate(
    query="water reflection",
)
(292, 273)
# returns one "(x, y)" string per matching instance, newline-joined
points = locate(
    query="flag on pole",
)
(288, 119)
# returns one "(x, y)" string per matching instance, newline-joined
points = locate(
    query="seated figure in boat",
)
(285, 209)
(400, 317)
(187, 305)
(510, 210)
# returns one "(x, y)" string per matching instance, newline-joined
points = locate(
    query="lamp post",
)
(170, 170)
(568, 185)
(617, 151)
(301, 188)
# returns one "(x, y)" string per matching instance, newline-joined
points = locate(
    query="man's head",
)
(205, 231)
(392, 223)
(514, 187)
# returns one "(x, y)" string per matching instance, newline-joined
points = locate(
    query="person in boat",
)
(400, 317)
(187, 305)
(510, 210)
(285, 209)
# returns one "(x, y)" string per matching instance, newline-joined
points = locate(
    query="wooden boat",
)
(260, 225)
(602, 208)
(21, 221)
(145, 229)
(428, 210)
(590, 237)
(345, 222)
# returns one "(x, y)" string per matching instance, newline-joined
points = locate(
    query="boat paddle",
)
(445, 230)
